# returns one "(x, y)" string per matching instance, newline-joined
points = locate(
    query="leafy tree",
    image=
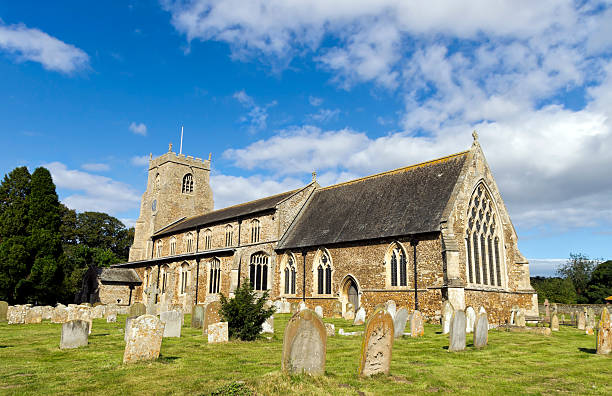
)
(100, 230)
(600, 285)
(245, 313)
(559, 290)
(578, 269)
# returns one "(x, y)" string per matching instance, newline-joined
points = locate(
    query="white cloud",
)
(231, 190)
(257, 117)
(314, 101)
(140, 160)
(94, 167)
(324, 115)
(29, 44)
(138, 128)
(93, 192)
(545, 267)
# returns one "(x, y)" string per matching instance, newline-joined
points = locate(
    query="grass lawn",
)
(513, 363)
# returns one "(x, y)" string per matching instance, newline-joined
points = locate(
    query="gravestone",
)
(98, 311)
(447, 314)
(377, 344)
(15, 314)
(111, 317)
(513, 316)
(337, 310)
(350, 312)
(604, 334)
(360, 317)
(197, 316)
(470, 319)
(285, 307)
(520, 318)
(33, 315)
(581, 321)
(319, 310)
(47, 312)
(268, 326)
(293, 308)
(179, 308)
(482, 310)
(591, 319)
(151, 293)
(218, 332)
(144, 339)
(172, 323)
(60, 314)
(302, 306)
(481, 331)
(456, 335)
(562, 319)
(554, 308)
(331, 329)
(554, 322)
(416, 324)
(391, 307)
(128, 327)
(399, 323)
(74, 334)
(212, 315)
(547, 310)
(3, 311)
(589, 330)
(137, 309)
(304, 344)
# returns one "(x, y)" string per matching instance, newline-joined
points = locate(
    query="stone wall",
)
(498, 304)
(114, 294)
(569, 308)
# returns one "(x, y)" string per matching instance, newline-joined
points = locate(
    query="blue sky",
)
(276, 89)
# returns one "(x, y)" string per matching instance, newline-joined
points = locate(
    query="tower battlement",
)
(181, 159)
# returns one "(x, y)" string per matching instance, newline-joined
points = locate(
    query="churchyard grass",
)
(513, 363)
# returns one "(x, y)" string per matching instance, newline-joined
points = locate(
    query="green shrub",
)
(245, 313)
(233, 389)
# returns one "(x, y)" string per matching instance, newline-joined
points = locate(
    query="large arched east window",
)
(483, 240)
(397, 266)
(214, 276)
(258, 271)
(187, 184)
(289, 275)
(323, 268)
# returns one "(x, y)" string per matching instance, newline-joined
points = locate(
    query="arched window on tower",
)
(482, 240)
(187, 184)
(396, 264)
(323, 269)
(258, 271)
(214, 276)
(289, 275)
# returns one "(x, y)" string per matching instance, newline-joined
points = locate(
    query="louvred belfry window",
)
(187, 184)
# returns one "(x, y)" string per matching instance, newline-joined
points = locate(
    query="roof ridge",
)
(402, 169)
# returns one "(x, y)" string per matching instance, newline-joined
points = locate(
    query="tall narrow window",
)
(189, 242)
(393, 269)
(289, 275)
(208, 239)
(184, 278)
(172, 246)
(165, 270)
(229, 235)
(160, 247)
(214, 279)
(468, 248)
(497, 262)
(258, 271)
(320, 276)
(187, 184)
(483, 259)
(397, 267)
(476, 257)
(324, 274)
(255, 231)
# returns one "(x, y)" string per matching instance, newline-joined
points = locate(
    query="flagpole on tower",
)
(181, 148)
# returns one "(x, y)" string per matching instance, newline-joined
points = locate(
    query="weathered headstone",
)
(554, 308)
(285, 307)
(293, 308)
(481, 331)
(482, 310)
(604, 334)
(172, 323)
(144, 339)
(33, 315)
(137, 309)
(591, 319)
(16, 314)
(337, 309)
(47, 312)
(151, 305)
(302, 306)
(456, 335)
(212, 315)
(3, 311)
(111, 317)
(589, 330)
(304, 344)
(447, 314)
(98, 311)
(197, 316)
(360, 317)
(513, 313)
(554, 322)
(128, 327)
(349, 314)
(470, 319)
(268, 326)
(74, 334)
(331, 329)
(218, 332)
(319, 310)
(377, 344)
(416, 324)
(581, 321)
(520, 318)
(547, 310)
(399, 323)
(391, 307)
(60, 314)
(179, 308)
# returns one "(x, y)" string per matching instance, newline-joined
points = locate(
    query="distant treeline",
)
(580, 280)
(45, 248)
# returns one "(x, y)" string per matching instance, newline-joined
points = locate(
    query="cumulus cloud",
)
(256, 118)
(138, 128)
(324, 115)
(93, 192)
(231, 190)
(140, 160)
(545, 267)
(29, 44)
(95, 167)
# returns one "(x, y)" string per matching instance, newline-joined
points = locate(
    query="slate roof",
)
(232, 212)
(118, 275)
(404, 201)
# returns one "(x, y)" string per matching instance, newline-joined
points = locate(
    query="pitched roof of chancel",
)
(404, 201)
(231, 212)
(118, 275)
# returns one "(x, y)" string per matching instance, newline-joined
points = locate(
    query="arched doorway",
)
(350, 293)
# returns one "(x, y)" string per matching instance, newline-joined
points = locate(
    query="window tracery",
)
(258, 271)
(214, 279)
(187, 184)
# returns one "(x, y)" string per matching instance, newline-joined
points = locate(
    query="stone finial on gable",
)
(314, 176)
(475, 135)
(169, 147)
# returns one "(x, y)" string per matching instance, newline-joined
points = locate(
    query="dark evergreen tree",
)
(245, 313)
(600, 285)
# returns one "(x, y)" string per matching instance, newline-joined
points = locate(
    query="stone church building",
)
(418, 235)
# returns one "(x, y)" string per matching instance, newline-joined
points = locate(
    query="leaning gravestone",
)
(470, 319)
(391, 307)
(304, 344)
(399, 323)
(604, 334)
(212, 315)
(74, 334)
(481, 331)
(377, 344)
(111, 317)
(172, 323)
(456, 335)
(319, 310)
(416, 324)
(144, 339)
(3, 310)
(218, 332)
(447, 314)
(581, 321)
(128, 327)
(137, 309)
(337, 310)
(360, 317)
(554, 322)
(197, 316)
(350, 312)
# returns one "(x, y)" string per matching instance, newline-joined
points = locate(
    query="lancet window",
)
(289, 275)
(397, 266)
(324, 273)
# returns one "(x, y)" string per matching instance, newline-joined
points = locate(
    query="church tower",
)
(178, 186)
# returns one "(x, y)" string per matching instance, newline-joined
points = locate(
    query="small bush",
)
(233, 389)
(245, 313)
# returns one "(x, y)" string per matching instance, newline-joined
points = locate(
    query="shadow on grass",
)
(99, 335)
(167, 359)
(5, 346)
(588, 350)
